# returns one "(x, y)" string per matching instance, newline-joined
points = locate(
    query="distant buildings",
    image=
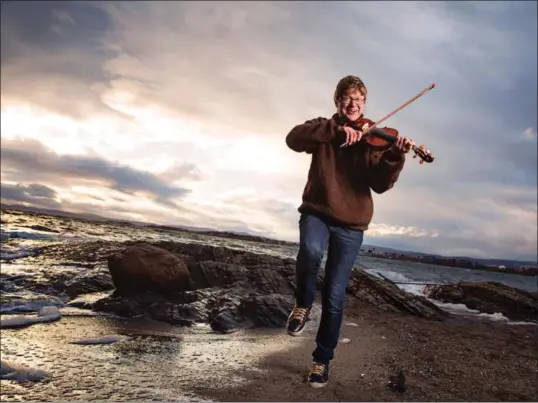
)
(452, 262)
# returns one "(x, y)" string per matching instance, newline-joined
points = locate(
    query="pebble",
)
(45, 314)
(345, 341)
(98, 340)
(21, 373)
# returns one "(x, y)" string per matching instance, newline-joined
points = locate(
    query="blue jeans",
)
(316, 233)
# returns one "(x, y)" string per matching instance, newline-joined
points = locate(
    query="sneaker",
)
(297, 320)
(319, 375)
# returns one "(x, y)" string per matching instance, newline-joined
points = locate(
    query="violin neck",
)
(383, 135)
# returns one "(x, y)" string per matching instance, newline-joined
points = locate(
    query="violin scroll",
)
(424, 154)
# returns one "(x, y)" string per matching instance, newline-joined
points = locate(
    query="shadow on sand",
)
(401, 358)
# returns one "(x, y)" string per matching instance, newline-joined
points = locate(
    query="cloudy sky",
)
(177, 112)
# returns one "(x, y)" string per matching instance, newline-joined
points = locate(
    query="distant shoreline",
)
(459, 263)
(523, 268)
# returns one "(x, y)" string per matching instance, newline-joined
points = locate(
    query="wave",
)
(462, 310)
(29, 235)
(403, 282)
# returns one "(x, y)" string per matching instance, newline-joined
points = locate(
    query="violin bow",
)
(424, 154)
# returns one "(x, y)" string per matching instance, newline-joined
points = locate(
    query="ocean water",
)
(23, 234)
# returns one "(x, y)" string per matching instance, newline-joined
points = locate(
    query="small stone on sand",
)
(99, 340)
(21, 373)
(45, 314)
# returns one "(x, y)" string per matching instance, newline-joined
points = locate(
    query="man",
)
(337, 208)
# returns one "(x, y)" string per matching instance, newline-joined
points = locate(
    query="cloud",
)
(31, 161)
(195, 99)
(58, 72)
(33, 194)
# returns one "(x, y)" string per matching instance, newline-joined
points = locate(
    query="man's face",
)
(351, 105)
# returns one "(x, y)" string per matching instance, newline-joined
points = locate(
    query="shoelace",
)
(317, 369)
(299, 313)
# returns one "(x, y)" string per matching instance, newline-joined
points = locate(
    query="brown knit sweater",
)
(340, 179)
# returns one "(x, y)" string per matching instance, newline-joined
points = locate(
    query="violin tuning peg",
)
(421, 162)
(415, 156)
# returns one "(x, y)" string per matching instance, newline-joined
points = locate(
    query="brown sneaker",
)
(319, 375)
(297, 320)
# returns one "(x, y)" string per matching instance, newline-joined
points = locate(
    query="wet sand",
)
(152, 361)
(456, 360)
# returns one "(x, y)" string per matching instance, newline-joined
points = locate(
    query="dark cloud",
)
(55, 47)
(29, 160)
(33, 194)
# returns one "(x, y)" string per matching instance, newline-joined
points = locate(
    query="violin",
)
(382, 139)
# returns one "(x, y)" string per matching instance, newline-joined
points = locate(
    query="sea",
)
(23, 234)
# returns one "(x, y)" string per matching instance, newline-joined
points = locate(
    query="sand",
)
(455, 360)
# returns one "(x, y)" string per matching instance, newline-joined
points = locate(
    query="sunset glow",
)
(176, 113)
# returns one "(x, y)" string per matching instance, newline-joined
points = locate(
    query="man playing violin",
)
(337, 208)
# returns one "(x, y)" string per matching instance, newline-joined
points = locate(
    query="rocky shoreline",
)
(184, 285)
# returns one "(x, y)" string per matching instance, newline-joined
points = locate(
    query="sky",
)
(176, 113)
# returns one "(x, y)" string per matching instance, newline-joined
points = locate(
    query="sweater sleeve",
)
(307, 136)
(385, 168)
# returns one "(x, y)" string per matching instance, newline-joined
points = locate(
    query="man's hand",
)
(402, 145)
(352, 136)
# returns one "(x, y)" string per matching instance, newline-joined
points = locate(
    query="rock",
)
(143, 267)
(488, 297)
(43, 280)
(95, 281)
(227, 320)
(87, 301)
(42, 228)
(397, 382)
(98, 340)
(388, 296)
(270, 310)
(21, 373)
(45, 314)
(229, 289)
(345, 340)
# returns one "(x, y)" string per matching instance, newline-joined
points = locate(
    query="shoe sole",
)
(295, 334)
(317, 385)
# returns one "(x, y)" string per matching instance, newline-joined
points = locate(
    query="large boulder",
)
(389, 297)
(488, 297)
(143, 267)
